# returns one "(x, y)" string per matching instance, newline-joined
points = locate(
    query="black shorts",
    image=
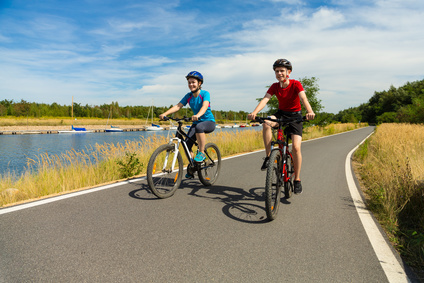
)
(294, 128)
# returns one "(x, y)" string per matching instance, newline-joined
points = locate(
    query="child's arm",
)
(202, 111)
(310, 115)
(260, 106)
(171, 110)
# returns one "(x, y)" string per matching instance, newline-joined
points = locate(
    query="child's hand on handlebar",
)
(251, 116)
(194, 118)
(310, 116)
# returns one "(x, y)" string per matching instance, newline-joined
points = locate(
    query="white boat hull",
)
(74, 132)
(154, 129)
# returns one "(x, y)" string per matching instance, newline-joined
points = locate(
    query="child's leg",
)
(190, 141)
(202, 129)
(297, 155)
(201, 141)
(267, 135)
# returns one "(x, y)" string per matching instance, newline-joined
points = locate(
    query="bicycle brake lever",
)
(258, 119)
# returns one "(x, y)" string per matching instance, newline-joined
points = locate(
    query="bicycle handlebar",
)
(280, 120)
(186, 119)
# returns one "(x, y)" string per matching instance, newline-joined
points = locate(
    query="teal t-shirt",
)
(196, 104)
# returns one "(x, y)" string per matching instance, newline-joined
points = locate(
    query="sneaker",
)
(297, 187)
(189, 176)
(265, 164)
(200, 157)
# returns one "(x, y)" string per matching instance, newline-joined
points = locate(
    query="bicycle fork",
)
(284, 172)
(174, 160)
(282, 144)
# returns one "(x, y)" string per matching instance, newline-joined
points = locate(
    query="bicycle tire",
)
(211, 166)
(273, 185)
(288, 186)
(161, 179)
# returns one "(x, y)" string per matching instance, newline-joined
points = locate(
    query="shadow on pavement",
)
(238, 204)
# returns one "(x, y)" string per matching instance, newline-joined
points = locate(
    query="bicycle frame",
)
(283, 146)
(283, 142)
(176, 141)
(280, 171)
(180, 139)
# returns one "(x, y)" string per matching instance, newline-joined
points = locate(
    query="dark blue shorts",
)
(202, 127)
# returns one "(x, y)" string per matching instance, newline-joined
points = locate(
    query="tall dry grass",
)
(392, 172)
(314, 132)
(57, 174)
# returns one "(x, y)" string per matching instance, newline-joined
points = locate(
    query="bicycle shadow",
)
(142, 192)
(238, 204)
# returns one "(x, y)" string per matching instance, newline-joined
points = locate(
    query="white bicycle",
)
(165, 168)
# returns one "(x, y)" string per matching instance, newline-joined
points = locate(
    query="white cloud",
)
(353, 56)
(133, 58)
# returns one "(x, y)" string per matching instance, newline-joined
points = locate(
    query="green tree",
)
(3, 110)
(21, 108)
(312, 89)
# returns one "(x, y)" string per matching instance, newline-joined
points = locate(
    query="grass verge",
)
(390, 166)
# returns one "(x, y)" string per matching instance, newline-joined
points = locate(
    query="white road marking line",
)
(65, 196)
(391, 267)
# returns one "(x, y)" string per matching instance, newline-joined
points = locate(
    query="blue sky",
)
(136, 52)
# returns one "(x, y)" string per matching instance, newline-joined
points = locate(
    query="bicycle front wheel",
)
(273, 184)
(162, 180)
(210, 167)
(289, 173)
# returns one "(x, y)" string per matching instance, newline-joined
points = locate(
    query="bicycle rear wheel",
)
(162, 180)
(289, 171)
(211, 166)
(273, 185)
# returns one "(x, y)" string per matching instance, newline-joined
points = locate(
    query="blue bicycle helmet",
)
(196, 75)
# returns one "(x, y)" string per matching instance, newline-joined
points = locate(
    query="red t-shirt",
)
(288, 98)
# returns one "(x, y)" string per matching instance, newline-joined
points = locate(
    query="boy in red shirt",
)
(289, 93)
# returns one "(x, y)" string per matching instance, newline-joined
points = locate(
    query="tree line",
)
(396, 105)
(114, 111)
(403, 104)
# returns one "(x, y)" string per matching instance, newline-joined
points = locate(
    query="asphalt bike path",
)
(122, 233)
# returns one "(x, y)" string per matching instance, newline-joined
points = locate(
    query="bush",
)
(130, 165)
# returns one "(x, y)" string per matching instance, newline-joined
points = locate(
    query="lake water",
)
(16, 149)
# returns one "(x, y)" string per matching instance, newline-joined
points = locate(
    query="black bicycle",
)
(165, 168)
(280, 171)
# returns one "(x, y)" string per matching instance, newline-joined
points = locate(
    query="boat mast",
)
(72, 108)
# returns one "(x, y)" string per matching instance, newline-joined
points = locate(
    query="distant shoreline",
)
(13, 130)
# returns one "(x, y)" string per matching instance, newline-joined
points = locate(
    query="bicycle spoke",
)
(211, 166)
(273, 185)
(162, 180)
(289, 175)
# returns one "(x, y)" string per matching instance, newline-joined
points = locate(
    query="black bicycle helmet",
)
(283, 63)
(196, 75)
